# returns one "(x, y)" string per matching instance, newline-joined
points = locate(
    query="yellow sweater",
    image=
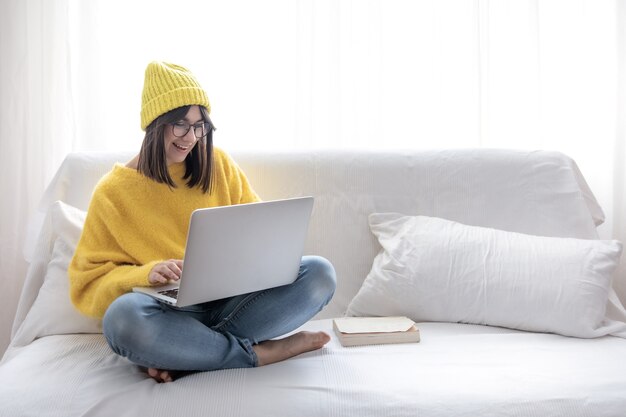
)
(134, 222)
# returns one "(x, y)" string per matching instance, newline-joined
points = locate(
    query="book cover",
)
(355, 331)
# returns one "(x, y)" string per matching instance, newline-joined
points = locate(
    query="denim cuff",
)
(248, 347)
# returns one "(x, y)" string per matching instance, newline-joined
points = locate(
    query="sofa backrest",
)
(540, 193)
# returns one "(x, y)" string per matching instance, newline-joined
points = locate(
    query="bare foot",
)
(160, 375)
(272, 351)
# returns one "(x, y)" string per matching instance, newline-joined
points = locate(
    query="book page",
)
(373, 324)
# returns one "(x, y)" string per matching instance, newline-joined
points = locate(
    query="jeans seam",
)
(237, 311)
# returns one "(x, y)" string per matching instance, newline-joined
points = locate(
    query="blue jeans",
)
(218, 334)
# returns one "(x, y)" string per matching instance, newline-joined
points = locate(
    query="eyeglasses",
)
(181, 128)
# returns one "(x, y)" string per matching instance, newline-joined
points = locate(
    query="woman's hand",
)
(165, 271)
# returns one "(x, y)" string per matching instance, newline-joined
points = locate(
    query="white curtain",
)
(311, 74)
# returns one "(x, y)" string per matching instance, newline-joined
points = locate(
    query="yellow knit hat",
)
(167, 87)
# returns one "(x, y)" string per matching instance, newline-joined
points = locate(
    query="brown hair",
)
(198, 164)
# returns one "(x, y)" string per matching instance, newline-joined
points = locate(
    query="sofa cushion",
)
(432, 269)
(52, 311)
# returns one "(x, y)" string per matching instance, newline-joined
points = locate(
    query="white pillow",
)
(52, 311)
(431, 269)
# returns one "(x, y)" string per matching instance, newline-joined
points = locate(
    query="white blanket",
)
(456, 370)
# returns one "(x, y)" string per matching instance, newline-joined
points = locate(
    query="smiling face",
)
(177, 149)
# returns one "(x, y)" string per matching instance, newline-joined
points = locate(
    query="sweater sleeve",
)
(100, 270)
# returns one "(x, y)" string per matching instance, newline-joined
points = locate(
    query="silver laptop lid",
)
(238, 249)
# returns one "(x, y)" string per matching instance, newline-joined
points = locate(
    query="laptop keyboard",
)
(170, 293)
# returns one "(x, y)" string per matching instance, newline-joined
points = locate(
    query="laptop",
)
(233, 250)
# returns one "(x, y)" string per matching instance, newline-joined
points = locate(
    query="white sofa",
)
(59, 365)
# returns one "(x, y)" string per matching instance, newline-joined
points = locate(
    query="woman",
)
(135, 234)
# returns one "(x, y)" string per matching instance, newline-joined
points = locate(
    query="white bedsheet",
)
(456, 370)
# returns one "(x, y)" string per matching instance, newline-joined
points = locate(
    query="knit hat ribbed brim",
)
(167, 87)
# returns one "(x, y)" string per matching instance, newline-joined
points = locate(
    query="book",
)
(355, 331)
